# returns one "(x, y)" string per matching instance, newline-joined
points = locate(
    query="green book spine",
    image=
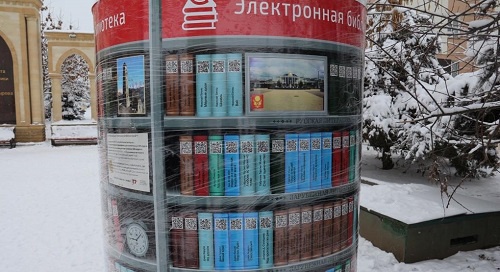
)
(216, 165)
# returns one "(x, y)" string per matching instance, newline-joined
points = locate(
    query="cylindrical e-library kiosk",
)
(230, 133)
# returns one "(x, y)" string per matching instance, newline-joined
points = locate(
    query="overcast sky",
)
(76, 12)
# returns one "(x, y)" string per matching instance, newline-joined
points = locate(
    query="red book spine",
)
(306, 233)
(337, 159)
(191, 253)
(172, 96)
(337, 216)
(177, 241)
(116, 223)
(318, 239)
(344, 224)
(200, 161)
(327, 229)
(186, 164)
(293, 235)
(280, 237)
(345, 157)
(350, 221)
(186, 85)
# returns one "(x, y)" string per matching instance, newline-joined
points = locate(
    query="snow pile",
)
(74, 131)
(6, 133)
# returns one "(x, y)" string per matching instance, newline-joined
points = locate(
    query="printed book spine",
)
(326, 160)
(110, 228)
(186, 84)
(345, 157)
(116, 223)
(177, 240)
(266, 254)
(355, 226)
(358, 155)
(291, 163)
(347, 266)
(236, 247)
(280, 237)
(327, 228)
(306, 228)
(251, 240)
(232, 165)
(304, 162)
(262, 165)
(337, 225)
(206, 240)
(172, 85)
(216, 165)
(219, 85)
(352, 155)
(318, 239)
(337, 159)
(200, 162)
(350, 220)
(247, 165)
(191, 252)
(277, 164)
(294, 235)
(234, 84)
(344, 223)
(203, 85)
(221, 241)
(186, 164)
(316, 175)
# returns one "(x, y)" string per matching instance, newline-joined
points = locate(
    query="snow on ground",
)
(51, 216)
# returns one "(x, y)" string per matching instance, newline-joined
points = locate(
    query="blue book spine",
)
(352, 155)
(291, 163)
(234, 85)
(304, 182)
(266, 241)
(232, 165)
(251, 240)
(247, 165)
(221, 241)
(206, 240)
(326, 160)
(123, 269)
(118, 267)
(203, 85)
(236, 246)
(316, 177)
(262, 165)
(219, 85)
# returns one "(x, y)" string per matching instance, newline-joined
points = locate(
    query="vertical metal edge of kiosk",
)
(157, 145)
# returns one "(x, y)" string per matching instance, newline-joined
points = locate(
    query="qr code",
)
(203, 66)
(266, 223)
(234, 66)
(236, 224)
(348, 72)
(186, 148)
(306, 217)
(291, 145)
(216, 147)
(186, 66)
(328, 213)
(206, 224)
(191, 223)
(221, 224)
(231, 147)
(337, 211)
(172, 67)
(327, 143)
(262, 146)
(200, 147)
(177, 223)
(277, 146)
(345, 209)
(294, 219)
(341, 71)
(356, 72)
(337, 142)
(351, 206)
(246, 147)
(318, 215)
(281, 221)
(108, 73)
(218, 66)
(304, 145)
(334, 70)
(345, 141)
(250, 223)
(316, 144)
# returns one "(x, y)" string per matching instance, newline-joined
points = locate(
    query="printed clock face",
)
(137, 240)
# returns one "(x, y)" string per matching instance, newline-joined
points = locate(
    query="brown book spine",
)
(186, 84)
(293, 235)
(177, 240)
(337, 215)
(172, 95)
(186, 165)
(327, 229)
(306, 233)
(344, 222)
(191, 253)
(280, 237)
(318, 239)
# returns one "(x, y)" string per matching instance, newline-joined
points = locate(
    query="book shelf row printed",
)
(262, 164)
(264, 239)
(114, 266)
